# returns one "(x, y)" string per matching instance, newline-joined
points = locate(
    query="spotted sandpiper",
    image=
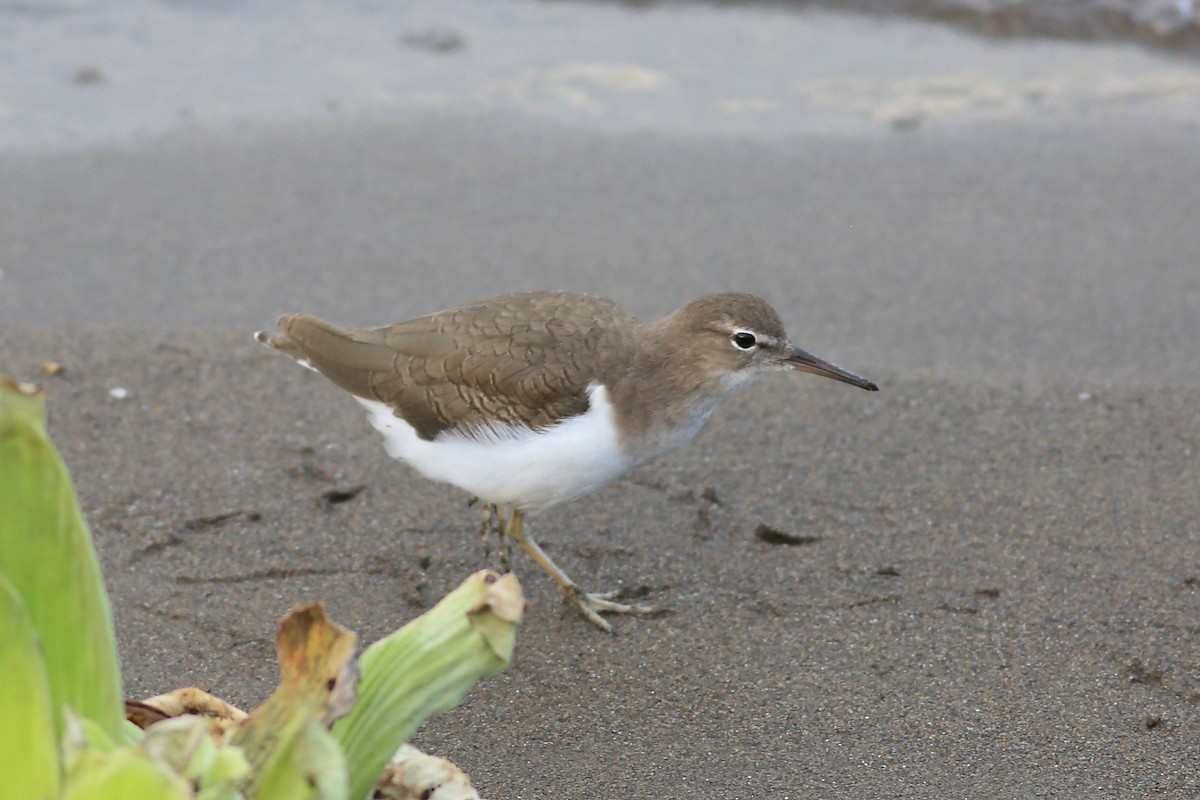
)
(530, 400)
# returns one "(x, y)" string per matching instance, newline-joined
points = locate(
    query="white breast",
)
(512, 465)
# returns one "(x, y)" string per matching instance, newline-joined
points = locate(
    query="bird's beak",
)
(804, 361)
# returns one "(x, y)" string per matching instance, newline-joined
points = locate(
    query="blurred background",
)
(988, 207)
(889, 183)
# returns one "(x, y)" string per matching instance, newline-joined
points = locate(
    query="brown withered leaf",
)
(319, 672)
(316, 660)
(189, 700)
(504, 599)
(414, 775)
(143, 715)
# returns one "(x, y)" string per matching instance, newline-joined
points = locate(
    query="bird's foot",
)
(593, 605)
(492, 521)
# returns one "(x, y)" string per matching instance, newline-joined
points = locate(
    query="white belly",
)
(511, 465)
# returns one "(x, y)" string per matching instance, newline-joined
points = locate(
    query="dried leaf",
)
(190, 701)
(316, 657)
(142, 715)
(414, 775)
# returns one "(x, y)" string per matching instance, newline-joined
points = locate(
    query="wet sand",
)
(995, 585)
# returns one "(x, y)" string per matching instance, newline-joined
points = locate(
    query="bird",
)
(534, 399)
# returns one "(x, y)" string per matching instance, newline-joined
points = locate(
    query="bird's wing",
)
(523, 360)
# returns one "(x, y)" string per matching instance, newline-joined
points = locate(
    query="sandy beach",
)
(995, 580)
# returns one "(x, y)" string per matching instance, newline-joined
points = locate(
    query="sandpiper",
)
(530, 400)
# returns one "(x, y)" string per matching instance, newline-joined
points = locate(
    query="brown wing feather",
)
(523, 359)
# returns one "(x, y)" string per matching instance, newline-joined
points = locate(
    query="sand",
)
(996, 584)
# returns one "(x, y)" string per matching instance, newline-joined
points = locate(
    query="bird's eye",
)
(744, 341)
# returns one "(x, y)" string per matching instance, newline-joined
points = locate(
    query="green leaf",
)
(426, 668)
(127, 773)
(28, 742)
(228, 769)
(128, 733)
(197, 748)
(46, 552)
(83, 736)
(312, 768)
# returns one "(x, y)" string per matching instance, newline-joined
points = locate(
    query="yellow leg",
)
(590, 605)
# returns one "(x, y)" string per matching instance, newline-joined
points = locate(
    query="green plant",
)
(47, 554)
(62, 731)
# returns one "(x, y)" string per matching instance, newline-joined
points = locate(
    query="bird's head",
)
(735, 337)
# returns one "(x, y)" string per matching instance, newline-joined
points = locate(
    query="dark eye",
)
(743, 340)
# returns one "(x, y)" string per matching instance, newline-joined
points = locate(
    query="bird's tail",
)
(348, 358)
(280, 342)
